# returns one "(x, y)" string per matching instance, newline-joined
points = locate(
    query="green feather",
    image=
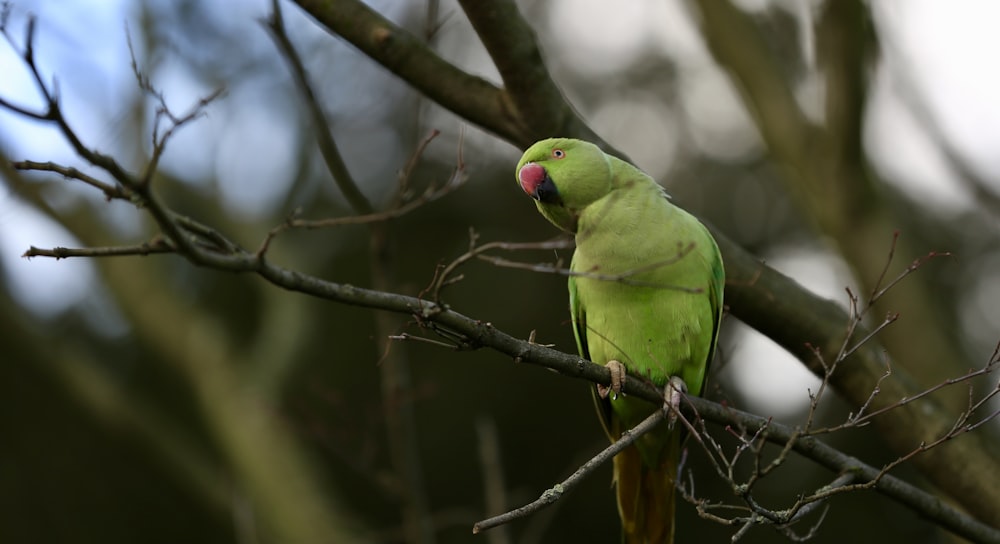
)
(646, 290)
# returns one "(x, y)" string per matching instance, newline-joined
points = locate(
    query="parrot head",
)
(564, 176)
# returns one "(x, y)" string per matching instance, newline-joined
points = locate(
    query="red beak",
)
(536, 182)
(531, 176)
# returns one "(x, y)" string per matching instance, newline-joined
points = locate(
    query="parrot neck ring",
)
(538, 184)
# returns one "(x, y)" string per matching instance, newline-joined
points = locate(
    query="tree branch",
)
(157, 245)
(511, 44)
(468, 96)
(731, 35)
(556, 492)
(328, 149)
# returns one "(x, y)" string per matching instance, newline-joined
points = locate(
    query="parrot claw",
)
(617, 380)
(672, 394)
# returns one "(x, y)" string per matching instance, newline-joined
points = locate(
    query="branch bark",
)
(528, 86)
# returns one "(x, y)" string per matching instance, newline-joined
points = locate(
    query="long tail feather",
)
(646, 495)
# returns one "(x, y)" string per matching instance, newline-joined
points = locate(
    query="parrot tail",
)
(646, 495)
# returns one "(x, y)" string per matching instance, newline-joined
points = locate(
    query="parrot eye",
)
(558, 153)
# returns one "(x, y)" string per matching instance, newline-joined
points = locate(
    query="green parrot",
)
(645, 294)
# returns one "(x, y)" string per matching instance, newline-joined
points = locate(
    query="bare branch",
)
(174, 121)
(917, 263)
(53, 111)
(861, 418)
(157, 245)
(556, 492)
(408, 57)
(401, 206)
(624, 277)
(110, 191)
(772, 103)
(324, 134)
(528, 87)
(869, 477)
(444, 276)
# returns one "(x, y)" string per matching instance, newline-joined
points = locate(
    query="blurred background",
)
(148, 400)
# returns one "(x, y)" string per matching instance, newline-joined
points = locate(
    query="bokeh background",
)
(146, 400)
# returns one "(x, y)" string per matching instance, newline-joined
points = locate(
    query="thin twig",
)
(859, 419)
(324, 131)
(175, 122)
(433, 193)
(157, 245)
(556, 492)
(443, 277)
(471, 97)
(110, 191)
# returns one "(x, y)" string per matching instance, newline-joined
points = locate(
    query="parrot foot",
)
(672, 394)
(617, 370)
